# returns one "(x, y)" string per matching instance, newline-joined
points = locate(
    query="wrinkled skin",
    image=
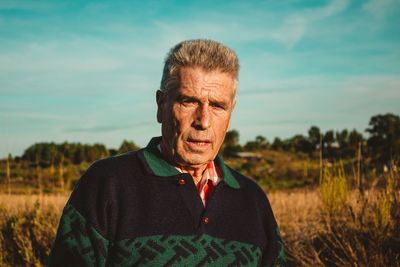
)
(196, 116)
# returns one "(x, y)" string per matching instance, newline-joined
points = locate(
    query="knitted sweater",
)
(136, 209)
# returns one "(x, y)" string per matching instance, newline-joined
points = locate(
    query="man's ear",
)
(234, 104)
(160, 98)
(230, 117)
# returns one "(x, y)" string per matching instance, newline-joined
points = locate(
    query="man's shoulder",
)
(246, 183)
(108, 175)
(106, 170)
(250, 192)
(112, 163)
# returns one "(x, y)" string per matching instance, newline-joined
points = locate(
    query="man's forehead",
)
(206, 81)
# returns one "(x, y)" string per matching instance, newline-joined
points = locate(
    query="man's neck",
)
(195, 172)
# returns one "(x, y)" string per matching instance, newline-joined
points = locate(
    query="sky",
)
(87, 71)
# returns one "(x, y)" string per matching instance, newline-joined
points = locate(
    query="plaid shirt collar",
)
(211, 177)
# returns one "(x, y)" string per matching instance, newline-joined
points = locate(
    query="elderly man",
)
(175, 202)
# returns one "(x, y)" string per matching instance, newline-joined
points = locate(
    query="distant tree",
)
(50, 154)
(231, 144)
(343, 141)
(102, 151)
(287, 145)
(342, 138)
(127, 146)
(259, 143)
(384, 140)
(299, 143)
(66, 152)
(8, 173)
(79, 154)
(44, 151)
(354, 138)
(231, 138)
(261, 139)
(112, 152)
(314, 135)
(328, 138)
(95, 152)
(30, 153)
(277, 144)
(53, 155)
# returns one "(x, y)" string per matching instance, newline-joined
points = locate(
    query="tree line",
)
(381, 146)
(49, 153)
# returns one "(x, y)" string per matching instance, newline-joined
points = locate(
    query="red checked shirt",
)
(211, 177)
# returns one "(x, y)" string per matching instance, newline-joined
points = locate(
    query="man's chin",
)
(195, 159)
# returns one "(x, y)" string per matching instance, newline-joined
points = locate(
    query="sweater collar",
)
(160, 167)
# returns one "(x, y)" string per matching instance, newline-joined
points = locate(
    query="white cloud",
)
(380, 8)
(295, 25)
(377, 88)
(35, 116)
(55, 56)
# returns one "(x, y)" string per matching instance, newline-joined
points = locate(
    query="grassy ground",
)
(273, 170)
(362, 231)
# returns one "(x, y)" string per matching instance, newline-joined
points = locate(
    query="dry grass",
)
(363, 232)
(352, 236)
(27, 227)
(21, 203)
(297, 211)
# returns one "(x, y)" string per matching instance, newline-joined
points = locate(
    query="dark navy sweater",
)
(134, 210)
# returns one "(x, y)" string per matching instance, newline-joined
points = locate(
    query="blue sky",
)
(87, 71)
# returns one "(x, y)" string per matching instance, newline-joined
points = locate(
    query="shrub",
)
(26, 236)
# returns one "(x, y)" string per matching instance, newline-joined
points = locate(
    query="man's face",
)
(196, 116)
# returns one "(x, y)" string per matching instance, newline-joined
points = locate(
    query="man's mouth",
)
(198, 142)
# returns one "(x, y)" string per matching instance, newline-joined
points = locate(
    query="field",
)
(319, 226)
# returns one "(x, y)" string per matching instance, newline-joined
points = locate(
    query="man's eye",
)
(218, 106)
(187, 101)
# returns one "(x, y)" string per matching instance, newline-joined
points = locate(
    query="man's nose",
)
(203, 118)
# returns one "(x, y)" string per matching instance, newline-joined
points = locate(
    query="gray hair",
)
(206, 54)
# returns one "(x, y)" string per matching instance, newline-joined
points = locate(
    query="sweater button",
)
(205, 220)
(181, 182)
